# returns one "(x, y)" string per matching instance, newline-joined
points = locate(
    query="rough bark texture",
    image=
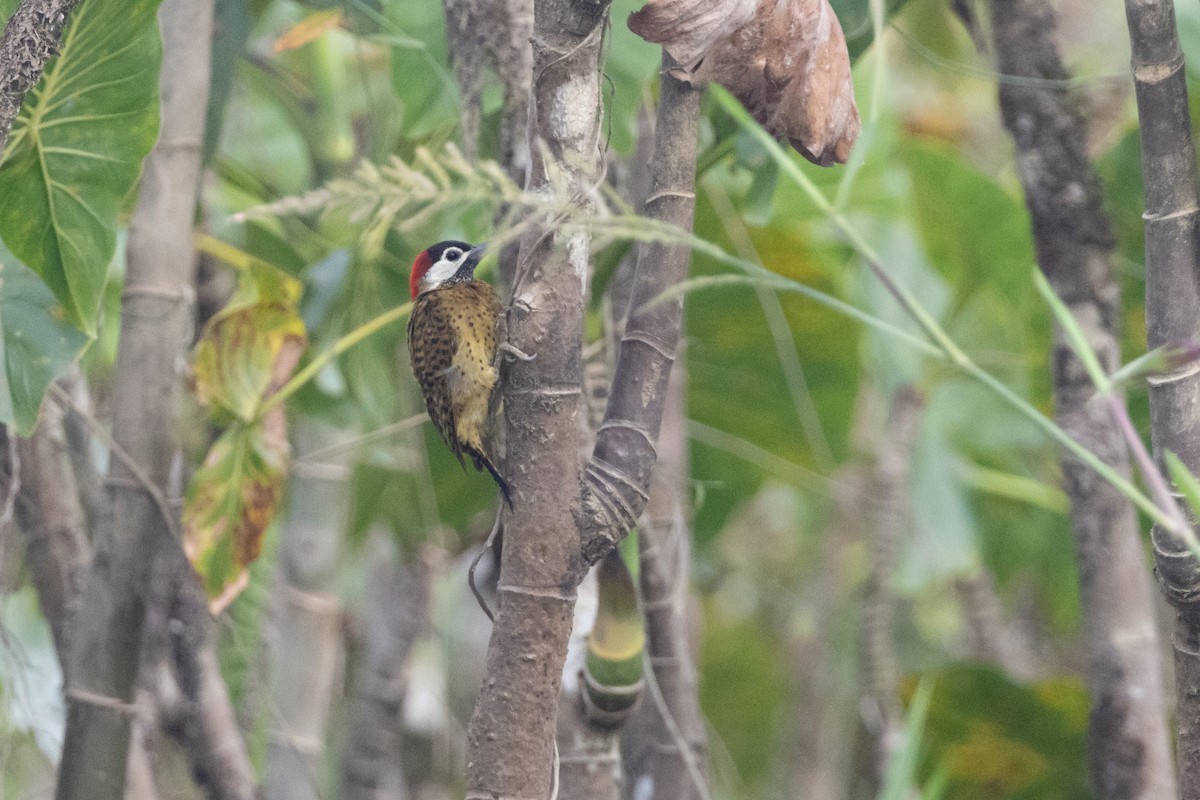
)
(397, 614)
(31, 38)
(889, 497)
(655, 765)
(156, 324)
(511, 733)
(51, 518)
(1172, 316)
(204, 721)
(617, 477)
(307, 653)
(57, 551)
(1128, 742)
(589, 763)
(495, 34)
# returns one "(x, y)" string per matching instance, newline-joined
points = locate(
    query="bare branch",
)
(889, 499)
(617, 478)
(667, 741)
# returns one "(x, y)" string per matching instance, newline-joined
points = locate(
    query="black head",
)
(444, 262)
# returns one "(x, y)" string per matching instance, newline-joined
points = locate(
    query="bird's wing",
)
(432, 343)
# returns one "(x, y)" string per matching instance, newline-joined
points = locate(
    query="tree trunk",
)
(1172, 317)
(510, 736)
(542, 563)
(1128, 742)
(397, 614)
(654, 756)
(57, 550)
(156, 325)
(307, 652)
(52, 521)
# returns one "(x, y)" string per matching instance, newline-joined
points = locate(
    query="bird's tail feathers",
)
(483, 462)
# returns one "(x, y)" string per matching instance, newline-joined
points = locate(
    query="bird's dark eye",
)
(452, 254)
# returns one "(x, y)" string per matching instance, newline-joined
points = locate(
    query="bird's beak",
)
(475, 254)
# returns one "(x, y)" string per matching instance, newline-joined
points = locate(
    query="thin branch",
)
(1172, 316)
(617, 477)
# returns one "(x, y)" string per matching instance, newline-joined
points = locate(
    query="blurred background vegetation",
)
(787, 402)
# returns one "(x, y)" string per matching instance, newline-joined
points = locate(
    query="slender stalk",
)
(890, 516)
(354, 337)
(946, 348)
(1172, 317)
(156, 323)
(617, 477)
(667, 746)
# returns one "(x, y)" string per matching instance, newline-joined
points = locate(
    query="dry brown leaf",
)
(688, 29)
(788, 65)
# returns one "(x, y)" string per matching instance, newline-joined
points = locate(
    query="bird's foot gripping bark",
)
(515, 353)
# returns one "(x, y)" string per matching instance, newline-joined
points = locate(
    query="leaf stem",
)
(1161, 515)
(303, 376)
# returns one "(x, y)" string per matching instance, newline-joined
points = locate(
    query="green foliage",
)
(855, 17)
(232, 499)
(421, 78)
(36, 343)
(246, 353)
(743, 692)
(236, 357)
(994, 738)
(77, 149)
(974, 232)
(901, 774)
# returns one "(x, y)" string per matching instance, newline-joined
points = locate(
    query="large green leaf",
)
(855, 17)
(36, 343)
(77, 149)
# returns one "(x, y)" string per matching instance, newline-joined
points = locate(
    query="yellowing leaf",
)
(248, 351)
(309, 29)
(237, 354)
(232, 500)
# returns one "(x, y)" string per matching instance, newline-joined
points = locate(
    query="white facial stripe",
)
(443, 270)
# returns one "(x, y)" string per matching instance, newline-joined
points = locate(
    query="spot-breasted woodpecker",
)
(452, 346)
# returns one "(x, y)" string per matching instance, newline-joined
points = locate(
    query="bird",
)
(452, 344)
